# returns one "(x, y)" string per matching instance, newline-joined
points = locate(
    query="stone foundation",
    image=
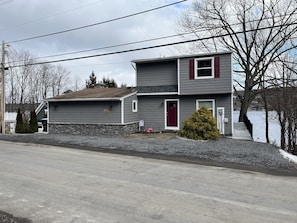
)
(93, 129)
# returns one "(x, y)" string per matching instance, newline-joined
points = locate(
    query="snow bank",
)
(288, 156)
(10, 116)
(258, 120)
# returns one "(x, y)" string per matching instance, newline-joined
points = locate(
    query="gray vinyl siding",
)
(85, 112)
(129, 115)
(152, 109)
(223, 84)
(188, 106)
(157, 73)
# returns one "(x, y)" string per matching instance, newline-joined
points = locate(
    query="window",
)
(134, 106)
(204, 68)
(209, 103)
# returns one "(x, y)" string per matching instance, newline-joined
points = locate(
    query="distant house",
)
(168, 91)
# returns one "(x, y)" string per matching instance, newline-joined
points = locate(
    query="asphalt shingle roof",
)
(94, 93)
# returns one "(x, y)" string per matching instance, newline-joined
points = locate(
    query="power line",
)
(6, 2)
(50, 16)
(111, 46)
(136, 42)
(149, 47)
(96, 24)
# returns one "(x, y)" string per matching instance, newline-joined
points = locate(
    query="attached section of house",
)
(170, 89)
(97, 111)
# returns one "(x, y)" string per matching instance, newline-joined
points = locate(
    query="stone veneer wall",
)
(93, 129)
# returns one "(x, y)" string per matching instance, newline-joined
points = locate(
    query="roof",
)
(160, 59)
(95, 94)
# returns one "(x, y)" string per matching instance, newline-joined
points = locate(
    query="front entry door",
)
(171, 112)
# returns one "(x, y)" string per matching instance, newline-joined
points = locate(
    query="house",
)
(168, 90)
(93, 111)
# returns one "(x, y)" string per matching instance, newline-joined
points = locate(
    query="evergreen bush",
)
(33, 122)
(19, 122)
(200, 126)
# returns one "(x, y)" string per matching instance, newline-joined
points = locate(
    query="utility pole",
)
(3, 89)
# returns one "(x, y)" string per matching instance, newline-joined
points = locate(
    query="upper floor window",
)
(204, 68)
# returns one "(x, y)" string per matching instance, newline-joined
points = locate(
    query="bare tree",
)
(283, 99)
(29, 83)
(59, 80)
(25, 71)
(257, 31)
(11, 88)
(45, 75)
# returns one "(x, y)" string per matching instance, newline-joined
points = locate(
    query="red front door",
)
(171, 113)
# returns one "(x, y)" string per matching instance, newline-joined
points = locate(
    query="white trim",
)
(128, 95)
(222, 130)
(122, 111)
(85, 99)
(179, 57)
(134, 102)
(159, 93)
(178, 76)
(93, 99)
(213, 105)
(80, 123)
(47, 116)
(232, 99)
(196, 68)
(165, 114)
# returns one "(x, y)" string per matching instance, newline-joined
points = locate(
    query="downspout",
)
(122, 111)
(178, 76)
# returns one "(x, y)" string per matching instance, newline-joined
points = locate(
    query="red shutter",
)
(191, 69)
(217, 67)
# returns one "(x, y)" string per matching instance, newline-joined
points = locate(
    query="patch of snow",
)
(288, 156)
(258, 120)
(10, 116)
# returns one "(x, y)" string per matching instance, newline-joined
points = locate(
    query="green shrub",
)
(33, 122)
(200, 126)
(25, 126)
(19, 122)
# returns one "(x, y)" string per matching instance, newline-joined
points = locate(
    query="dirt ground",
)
(158, 136)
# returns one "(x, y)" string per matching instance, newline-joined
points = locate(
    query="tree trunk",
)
(266, 116)
(245, 103)
(243, 112)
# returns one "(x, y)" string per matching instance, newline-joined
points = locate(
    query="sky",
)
(21, 19)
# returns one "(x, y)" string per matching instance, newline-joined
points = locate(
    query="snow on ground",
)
(258, 120)
(10, 116)
(288, 156)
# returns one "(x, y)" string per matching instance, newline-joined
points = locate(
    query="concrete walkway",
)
(241, 132)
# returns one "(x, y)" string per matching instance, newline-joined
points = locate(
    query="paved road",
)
(53, 184)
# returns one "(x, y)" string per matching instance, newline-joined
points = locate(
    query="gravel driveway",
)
(224, 152)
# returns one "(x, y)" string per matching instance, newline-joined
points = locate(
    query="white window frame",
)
(213, 104)
(197, 68)
(134, 106)
(165, 115)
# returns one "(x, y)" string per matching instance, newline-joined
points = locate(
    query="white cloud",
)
(21, 19)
